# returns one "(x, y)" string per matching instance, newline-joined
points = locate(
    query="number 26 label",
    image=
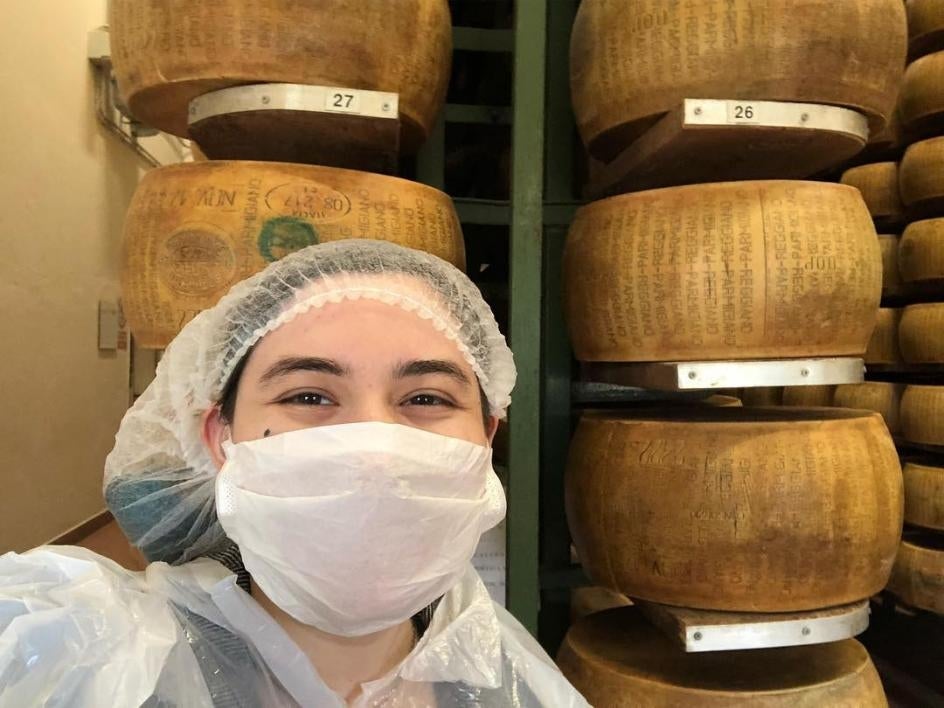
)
(741, 113)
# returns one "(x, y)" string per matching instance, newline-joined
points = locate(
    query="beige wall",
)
(64, 187)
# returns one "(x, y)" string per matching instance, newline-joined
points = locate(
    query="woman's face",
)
(348, 362)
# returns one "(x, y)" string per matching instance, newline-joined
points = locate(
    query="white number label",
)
(343, 102)
(741, 113)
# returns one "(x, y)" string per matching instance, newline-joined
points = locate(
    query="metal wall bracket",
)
(702, 375)
(703, 631)
(110, 110)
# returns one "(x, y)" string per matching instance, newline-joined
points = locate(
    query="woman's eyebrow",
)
(421, 367)
(290, 365)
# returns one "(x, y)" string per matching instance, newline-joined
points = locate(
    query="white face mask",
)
(355, 528)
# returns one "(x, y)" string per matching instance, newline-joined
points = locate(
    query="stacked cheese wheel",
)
(616, 658)
(918, 575)
(771, 510)
(630, 63)
(921, 258)
(167, 52)
(194, 230)
(878, 184)
(883, 344)
(737, 270)
(880, 396)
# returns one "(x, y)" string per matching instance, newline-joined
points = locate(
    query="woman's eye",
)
(309, 398)
(428, 399)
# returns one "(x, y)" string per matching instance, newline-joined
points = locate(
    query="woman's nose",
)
(374, 409)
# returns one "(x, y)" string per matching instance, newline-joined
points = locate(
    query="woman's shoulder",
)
(79, 629)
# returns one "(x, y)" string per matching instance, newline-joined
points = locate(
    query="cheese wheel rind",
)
(167, 52)
(922, 415)
(921, 102)
(735, 270)
(921, 254)
(631, 62)
(921, 333)
(921, 178)
(883, 344)
(879, 396)
(924, 495)
(770, 510)
(918, 576)
(193, 230)
(891, 278)
(925, 27)
(808, 396)
(878, 184)
(618, 659)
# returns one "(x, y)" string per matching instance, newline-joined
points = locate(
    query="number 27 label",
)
(343, 102)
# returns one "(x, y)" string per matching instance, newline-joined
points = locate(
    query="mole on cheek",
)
(267, 433)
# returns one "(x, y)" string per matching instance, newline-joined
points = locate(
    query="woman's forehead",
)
(357, 332)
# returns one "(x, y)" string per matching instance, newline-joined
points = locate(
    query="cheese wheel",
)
(195, 229)
(167, 52)
(631, 62)
(723, 401)
(921, 104)
(879, 396)
(918, 576)
(921, 178)
(891, 279)
(883, 344)
(885, 141)
(722, 271)
(741, 509)
(925, 27)
(924, 495)
(762, 396)
(922, 415)
(808, 396)
(588, 600)
(921, 255)
(617, 659)
(878, 184)
(921, 334)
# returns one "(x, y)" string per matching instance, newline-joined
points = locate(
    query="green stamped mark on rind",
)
(282, 235)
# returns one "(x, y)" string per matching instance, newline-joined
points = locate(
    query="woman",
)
(323, 433)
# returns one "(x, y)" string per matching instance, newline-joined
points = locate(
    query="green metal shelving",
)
(541, 207)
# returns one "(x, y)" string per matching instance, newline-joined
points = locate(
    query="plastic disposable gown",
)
(78, 630)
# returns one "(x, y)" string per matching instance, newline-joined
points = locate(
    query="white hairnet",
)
(159, 476)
